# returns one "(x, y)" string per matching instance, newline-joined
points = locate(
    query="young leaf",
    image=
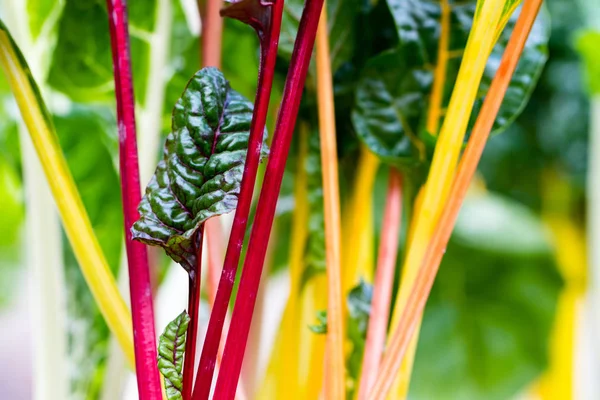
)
(201, 170)
(171, 346)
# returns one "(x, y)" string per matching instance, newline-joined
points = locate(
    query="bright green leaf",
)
(587, 44)
(171, 348)
(200, 174)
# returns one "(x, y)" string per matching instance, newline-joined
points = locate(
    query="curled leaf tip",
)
(256, 13)
(200, 174)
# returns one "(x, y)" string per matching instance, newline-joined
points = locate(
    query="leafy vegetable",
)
(200, 173)
(389, 113)
(171, 347)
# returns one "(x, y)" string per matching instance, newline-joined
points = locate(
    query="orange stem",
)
(334, 381)
(212, 32)
(384, 280)
(468, 165)
(439, 80)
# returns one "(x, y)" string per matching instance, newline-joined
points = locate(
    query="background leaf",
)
(487, 322)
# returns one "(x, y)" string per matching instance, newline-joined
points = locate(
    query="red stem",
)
(384, 280)
(139, 273)
(269, 43)
(261, 230)
(192, 332)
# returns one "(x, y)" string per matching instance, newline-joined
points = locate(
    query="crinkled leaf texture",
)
(391, 103)
(200, 174)
(171, 347)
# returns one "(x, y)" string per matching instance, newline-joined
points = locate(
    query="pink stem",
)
(139, 274)
(384, 280)
(269, 43)
(259, 238)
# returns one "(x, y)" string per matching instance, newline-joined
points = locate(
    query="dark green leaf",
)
(171, 348)
(314, 252)
(359, 310)
(487, 323)
(389, 106)
(391, 103)
(526, 75)
(200, 174)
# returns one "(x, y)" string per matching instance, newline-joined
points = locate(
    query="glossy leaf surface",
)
(391, 104)
(171, 347)
(200, 174)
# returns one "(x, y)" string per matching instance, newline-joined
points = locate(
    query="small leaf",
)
(171, 347)
(200, 174)
(321, 327)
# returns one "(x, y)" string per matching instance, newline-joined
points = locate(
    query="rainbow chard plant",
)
(367, 194)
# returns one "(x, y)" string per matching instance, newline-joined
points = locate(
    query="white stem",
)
(593, 188)
(116, 373)
(47, 281)
(43, 249)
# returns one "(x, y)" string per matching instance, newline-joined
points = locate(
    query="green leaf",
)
(81, 65)
(587, 44)
(41, 12)
(200, 174)
(314, 251)
(171, 348)
(391, 103)
(359, 310)
(526, 75)
(488, 320)
(389, 106)
(321, 327)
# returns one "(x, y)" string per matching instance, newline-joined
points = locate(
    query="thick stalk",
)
(140, 288)
(384, 280)
(357, 257)
(334, 384)
(75, 220)
(411, 316)
(269, 34)
(261, 230)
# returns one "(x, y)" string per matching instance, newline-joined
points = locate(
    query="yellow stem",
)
(439, 77)
(358, 224)
(479, 46)
(334, 359)
(75, 220)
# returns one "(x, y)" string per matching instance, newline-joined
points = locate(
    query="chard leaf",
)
(171, 347)
(391, 103)
(389, 106)
(200, 174)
